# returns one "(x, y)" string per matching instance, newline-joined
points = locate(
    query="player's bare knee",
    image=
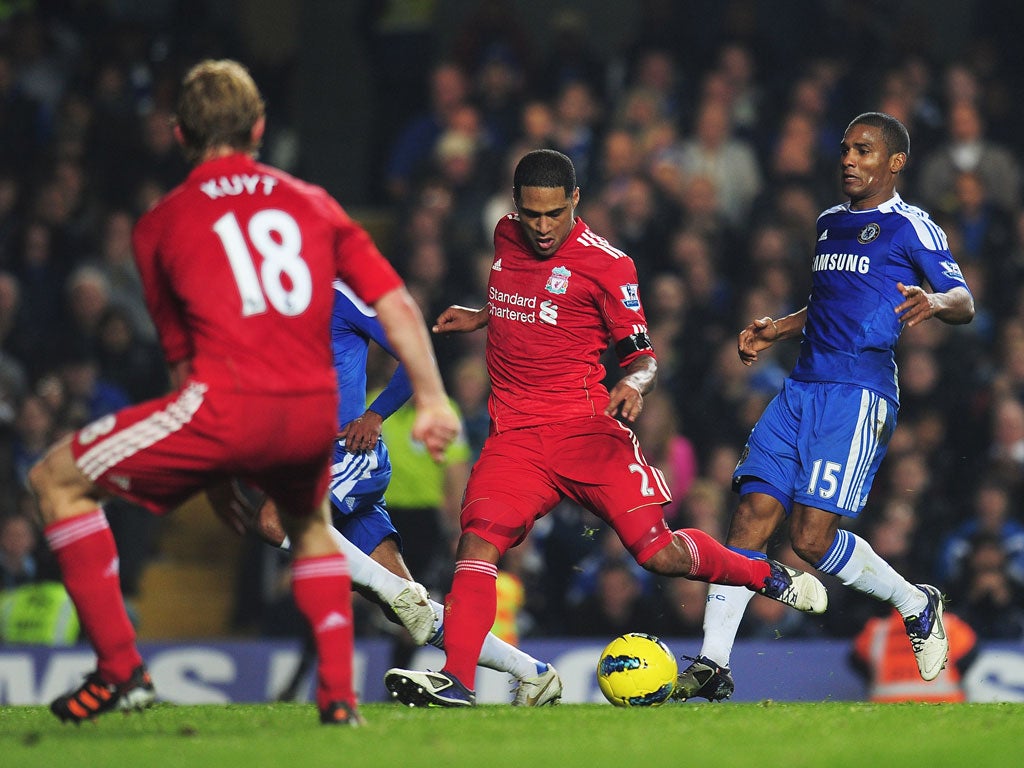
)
(753, 524)
(45, 483)
(389, 555)
(474, 547)
(39, 478)
(38, 483)
(659, 562)
(808, 548)
(670, 560)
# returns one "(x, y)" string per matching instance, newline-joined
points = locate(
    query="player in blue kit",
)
(813, 454)
(360, 474)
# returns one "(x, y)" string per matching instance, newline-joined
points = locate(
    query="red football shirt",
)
(237, 264)
(551, 319)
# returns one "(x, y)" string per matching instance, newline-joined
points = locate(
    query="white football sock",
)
(852, 560)
(495, 654)
(364, 570)
(367, 572)
(723, 613)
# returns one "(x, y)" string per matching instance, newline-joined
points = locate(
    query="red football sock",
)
(718, 564)
(469, 613)
(85, 550)
(323, 594)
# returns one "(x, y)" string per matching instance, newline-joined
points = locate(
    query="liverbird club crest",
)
(558, 281)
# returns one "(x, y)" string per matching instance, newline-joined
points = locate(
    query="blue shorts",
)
(358, 510)
(819, 445)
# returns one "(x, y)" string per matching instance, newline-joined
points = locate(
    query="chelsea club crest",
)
(558, 281)
(868, 233)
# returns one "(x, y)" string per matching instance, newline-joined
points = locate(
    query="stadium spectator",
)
(1005, 454)
(730, 162)
(88, 299)
(18, 542)
(585, 583)
(992, 514)
(681, 607)
(412, 149)
(34, 431)
(227, 415)
(668, 448)
(88, 396)
(470, 389)
(986, 594)
(13, 377)
(128, 360)
(498, 85)
(881, 656)
(576, 132)
(737, 64)
(985, 227)
(114, 259)
(968, 149)
(41, 271)
(618, 605)
(706, 506)
(34, 610)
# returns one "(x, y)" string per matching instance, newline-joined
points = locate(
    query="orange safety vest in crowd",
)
(884, 647)
(511, 596)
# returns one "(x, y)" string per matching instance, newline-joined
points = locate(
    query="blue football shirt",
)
(851, 330)
(353, 325)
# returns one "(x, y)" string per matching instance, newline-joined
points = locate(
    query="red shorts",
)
(161, 452)
(523, 474)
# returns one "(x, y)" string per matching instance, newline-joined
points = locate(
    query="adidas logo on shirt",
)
(496, 266)
(824, 236)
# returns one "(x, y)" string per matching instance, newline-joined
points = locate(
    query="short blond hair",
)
(218, 106)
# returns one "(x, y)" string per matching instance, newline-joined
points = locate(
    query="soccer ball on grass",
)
(636, 670)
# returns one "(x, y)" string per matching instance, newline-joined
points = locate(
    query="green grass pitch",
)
(769, 734)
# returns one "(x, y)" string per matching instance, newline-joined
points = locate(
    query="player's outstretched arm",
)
(458, 319)
(436, 423)
(955, 306)
(765, 331)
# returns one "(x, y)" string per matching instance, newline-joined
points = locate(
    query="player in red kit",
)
(558, 294)
(237, 264)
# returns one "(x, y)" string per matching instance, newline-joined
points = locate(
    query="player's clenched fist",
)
(436, 426)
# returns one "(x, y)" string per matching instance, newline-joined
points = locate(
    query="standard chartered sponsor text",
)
(507, 306)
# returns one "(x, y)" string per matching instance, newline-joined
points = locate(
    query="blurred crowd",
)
(706, 157)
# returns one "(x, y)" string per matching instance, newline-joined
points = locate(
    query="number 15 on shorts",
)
(824, 478)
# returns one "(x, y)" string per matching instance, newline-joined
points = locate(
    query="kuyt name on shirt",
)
(238, 184)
